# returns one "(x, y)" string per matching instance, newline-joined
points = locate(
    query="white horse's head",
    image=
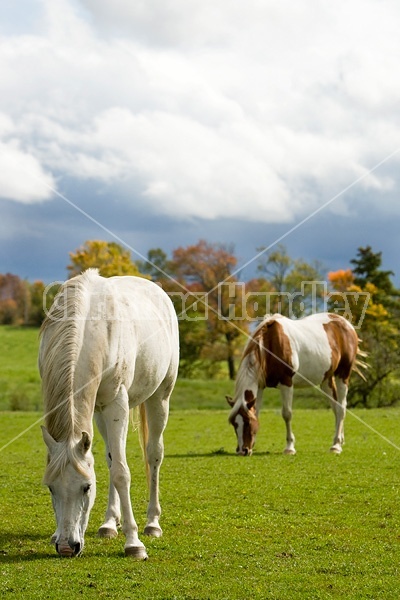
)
(71, 480)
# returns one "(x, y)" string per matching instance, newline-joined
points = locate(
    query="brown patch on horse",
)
(247, 411)
(250, 421)
(273, 355)
(249, 399)
(343, 341)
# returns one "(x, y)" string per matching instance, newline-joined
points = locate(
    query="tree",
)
(207, 268)
(367, 270)
(41, 298)
(157, 266)
(297, 289)
(260, 299)
(379, 324)
(109, 257)
(276, 264)
(14, 299)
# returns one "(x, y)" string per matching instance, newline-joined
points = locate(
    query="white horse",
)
(283, 353)
(107, 345)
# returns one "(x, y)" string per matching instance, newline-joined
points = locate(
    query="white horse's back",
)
(134, 323)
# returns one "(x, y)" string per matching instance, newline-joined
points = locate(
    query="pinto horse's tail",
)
(360, 364)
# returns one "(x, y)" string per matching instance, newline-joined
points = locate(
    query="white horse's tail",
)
(138, 420)
(144, 438)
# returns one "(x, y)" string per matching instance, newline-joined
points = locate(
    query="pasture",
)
(314, 525)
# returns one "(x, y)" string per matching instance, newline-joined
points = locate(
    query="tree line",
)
(217, 310)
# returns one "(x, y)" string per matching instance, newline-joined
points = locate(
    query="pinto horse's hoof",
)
(336, 449)
(107, 532)
(153, 531)
(289, 451)
(138, 552)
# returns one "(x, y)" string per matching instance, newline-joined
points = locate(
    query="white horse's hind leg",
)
(109, 529)
(116, 418)
(287, 400)
(157, 416)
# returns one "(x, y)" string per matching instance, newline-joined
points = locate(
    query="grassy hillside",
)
(20, 382)
(19, 376)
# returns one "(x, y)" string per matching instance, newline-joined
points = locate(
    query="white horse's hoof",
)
(138, 552)
(107, 532)
(290, 451)
(153, 531)
(336, 449)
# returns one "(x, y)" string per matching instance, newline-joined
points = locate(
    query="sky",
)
(157, 123)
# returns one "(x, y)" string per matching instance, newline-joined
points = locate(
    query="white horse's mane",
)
(64, 329)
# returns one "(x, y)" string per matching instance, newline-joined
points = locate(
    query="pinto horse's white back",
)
(107, 345)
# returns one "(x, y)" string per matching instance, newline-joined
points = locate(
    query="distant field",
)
(19, 377)
(20, 382)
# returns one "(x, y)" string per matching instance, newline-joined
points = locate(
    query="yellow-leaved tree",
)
(109, 257)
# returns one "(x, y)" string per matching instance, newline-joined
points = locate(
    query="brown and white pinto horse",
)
(282, 353)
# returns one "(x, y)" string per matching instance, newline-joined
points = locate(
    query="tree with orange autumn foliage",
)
(376, 311)
(208, 269)
(341, 280)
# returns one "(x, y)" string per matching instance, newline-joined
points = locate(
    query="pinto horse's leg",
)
(340, 413)
(116, 418)
(109, 529)
(157, 415)
(336, 390)
(287, 399)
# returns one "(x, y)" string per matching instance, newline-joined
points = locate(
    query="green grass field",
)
(271, 526)
(315, 525)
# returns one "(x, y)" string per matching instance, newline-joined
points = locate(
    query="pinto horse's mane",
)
(64, 326)
(256, 349)
(254, 362)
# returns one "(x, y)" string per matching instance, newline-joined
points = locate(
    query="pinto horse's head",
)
(71, 480)
(244, 419)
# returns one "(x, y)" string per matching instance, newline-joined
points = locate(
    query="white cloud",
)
(258, 110)
(22, 178)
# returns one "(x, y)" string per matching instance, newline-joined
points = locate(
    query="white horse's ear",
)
(84, 443)
(229, 400)
(48, 440)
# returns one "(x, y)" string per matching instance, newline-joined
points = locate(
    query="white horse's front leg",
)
(287, 400)
(109, 529)
(157, 416)
(116, 418)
